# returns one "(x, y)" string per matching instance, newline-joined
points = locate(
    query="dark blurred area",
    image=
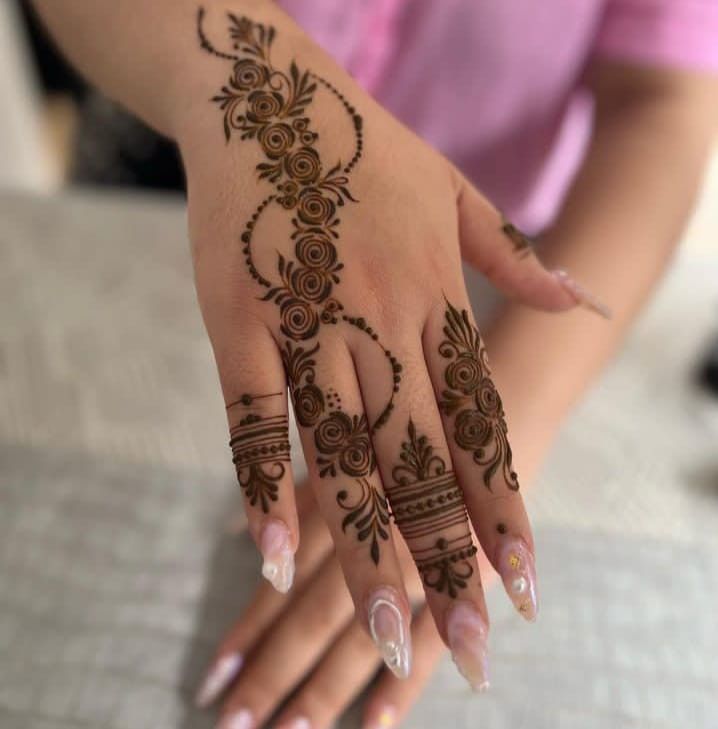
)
(116, 148)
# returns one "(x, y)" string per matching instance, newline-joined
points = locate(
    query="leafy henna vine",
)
(473, 401)
(344, 445)
(260, 449)
(368, 514)
(270, 106)
(425, 501)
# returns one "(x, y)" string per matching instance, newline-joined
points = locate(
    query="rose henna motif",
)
(472, 399)
(344, 442)
(272, 108)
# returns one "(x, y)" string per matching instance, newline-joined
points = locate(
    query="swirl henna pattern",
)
(425, 500)
(472, 399)
(272, 107)
(344, 445)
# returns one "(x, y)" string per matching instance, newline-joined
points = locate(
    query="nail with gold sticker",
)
(518, 572)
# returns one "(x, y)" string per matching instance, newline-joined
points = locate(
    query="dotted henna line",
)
(205, 42)
(361, 324)
(356, 120)
(246, 238)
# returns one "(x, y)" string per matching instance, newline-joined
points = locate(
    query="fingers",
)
(254, 388)
(427, 503)
(266, 605)
(390, 700)
(348, 666)
(476, 428)
(335, 682)
(506, 257)
(335, 434)
(290, 649)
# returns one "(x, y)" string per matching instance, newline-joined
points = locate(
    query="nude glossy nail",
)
(242, 719)
(582, 296)
(390, 631)
(467, 633)
(518, 572)
(219, 677)
(278, 565)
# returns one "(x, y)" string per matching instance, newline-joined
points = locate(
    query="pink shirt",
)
(496, 84)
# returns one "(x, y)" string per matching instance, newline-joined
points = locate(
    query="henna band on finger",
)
(427, 503)
(260, 449)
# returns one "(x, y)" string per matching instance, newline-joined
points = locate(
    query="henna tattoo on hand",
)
(426, 500)
(472, 399)
(368, 514)
(260, 449)
(270, 106)
(523, 244)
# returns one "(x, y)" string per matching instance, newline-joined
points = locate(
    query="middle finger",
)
(427, 504)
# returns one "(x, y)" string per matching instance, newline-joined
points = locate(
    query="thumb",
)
(506, 257)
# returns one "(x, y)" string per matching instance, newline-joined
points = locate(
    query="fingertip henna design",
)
(260, 449)
(473, 401)
(426, 500)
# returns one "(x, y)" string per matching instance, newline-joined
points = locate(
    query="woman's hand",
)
(310, 642)
(327, 244)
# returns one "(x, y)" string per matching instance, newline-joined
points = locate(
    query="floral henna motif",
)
(473, 401)
(271, 107)
(260, 449)
(344, 443)
(425, 501)
(368, 514)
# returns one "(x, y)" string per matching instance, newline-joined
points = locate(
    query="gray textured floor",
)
(116, 581)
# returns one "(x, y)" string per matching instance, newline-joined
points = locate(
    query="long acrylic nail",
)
(242, 719)
(390, 631)
(582, 296)
(385, 720)
(518, 572)
(218, 678)
(467, 632)
(275, 545)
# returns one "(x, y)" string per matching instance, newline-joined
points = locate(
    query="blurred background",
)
(116, 574)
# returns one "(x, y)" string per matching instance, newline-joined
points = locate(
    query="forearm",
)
(616, 233)
(147, 55)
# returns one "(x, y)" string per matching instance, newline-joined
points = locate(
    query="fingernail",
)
(581, 295)
(518, 572)
(467, 632)
(275, 545)
(385, 720)
(301, 722)
(242, 719)
(218, 678)
(390, 631)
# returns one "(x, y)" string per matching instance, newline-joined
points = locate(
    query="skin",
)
(621, 195)
(168, 79)
(622, 201)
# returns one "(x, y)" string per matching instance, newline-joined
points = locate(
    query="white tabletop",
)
(116, 577)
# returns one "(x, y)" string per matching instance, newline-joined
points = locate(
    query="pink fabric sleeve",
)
(682, 33)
